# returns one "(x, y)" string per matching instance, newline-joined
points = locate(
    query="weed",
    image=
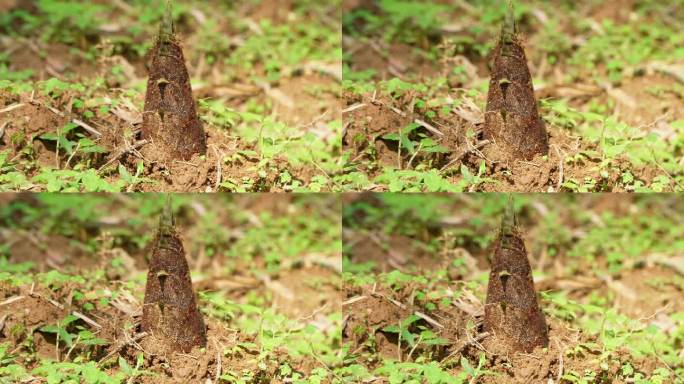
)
(56, 372)
(72, 143)
(136, 371)
(83, 337)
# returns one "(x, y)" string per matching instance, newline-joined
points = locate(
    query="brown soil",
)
(49, 60)
(539, 366)
(656, 99)
(312, 290)
(389, 60)
(45, 252)
(657, 289)
(315, 100)
(390, 253)
(374, 308)
(367, 125)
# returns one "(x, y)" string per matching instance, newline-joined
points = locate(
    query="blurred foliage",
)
(306, 225)
(575, 229)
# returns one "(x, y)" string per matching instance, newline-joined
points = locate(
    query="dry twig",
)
(468, 343)
(12, 107)
(428, 319)
(12, 300)
(128, 149)
(467, 151)
(86, 319)
(428, 127)
(87, 127)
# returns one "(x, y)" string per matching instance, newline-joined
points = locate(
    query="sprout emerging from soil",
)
(512, 313)
(170, 312)
(512, 119)
(170, 120)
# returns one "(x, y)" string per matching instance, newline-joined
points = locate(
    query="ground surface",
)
(72, 280)
(266, 76)
(609, 271)
(609, 77)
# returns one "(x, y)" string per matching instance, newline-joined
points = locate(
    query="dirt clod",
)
(170, 312)
(170, 120)
(512, 119)
(512, 312)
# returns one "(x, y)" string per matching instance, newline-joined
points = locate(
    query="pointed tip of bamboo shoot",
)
(166, 220)
(509, 221)
(509, 28)
(166, 28)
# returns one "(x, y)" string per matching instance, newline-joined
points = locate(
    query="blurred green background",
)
(589, 36)
(587, 233)
(252, 232)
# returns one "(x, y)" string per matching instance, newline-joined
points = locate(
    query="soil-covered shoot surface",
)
(608, 271)
(265, 77)
(608, 77)
(266, 272)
